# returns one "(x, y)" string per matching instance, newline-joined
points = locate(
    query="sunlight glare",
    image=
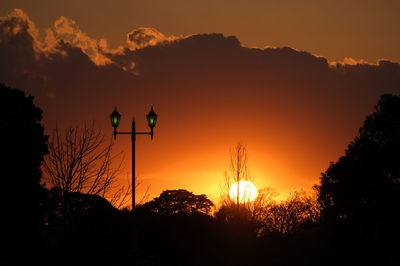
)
(247, 191)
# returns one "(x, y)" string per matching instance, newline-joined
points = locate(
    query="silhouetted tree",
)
(238, 168)
(229, 214)
(252, 212)
(78, 161)
(257, 208)
(85, 228)
(23, 147)
(77, 206)
(291, 215)
(237, 171)
(178, 202)
(365, 182)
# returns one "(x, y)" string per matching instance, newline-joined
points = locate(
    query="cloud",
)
(350, 61)
(50, 62)
(18, 48)
(207, 60)
(211, 66)
(143, 37)
(17, 24)
(67, 30)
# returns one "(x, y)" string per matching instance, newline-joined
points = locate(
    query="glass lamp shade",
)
(115, 118)
(151, 118)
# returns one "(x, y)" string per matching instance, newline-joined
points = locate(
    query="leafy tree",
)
(87, 228)
(78, 207)
(363, 187)
(230, 214)
(178, 202)
(23, 147)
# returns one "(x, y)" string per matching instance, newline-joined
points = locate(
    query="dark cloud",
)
(208, 86)
(16, 49)
(60, 77)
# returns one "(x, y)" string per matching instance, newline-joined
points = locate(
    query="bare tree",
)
(290, 215)
(237, 171)
(238, 167)
(264, 213)
(258, 207)
(79, 161)
(123, 197)
(253, 212)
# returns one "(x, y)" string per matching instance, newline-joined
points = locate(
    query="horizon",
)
(275, 105)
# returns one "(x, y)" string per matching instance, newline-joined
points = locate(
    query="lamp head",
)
(115, 118)
(151, 118)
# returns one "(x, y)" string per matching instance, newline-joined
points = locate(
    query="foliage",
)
(23, 145)
(291, 215)
(23, 141)
(270, 217)
(82, 227)
(72, 208)
(362, 187)
(231, 214)
(179, 201)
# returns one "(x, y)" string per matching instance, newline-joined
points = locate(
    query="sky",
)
(292, 80)
(360, 29)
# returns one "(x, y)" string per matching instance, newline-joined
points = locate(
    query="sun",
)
(247, 191)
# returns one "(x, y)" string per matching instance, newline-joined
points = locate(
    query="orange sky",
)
(361, 29)
(294, 110)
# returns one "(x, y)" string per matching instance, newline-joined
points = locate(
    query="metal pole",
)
(237, 181)
(133, 162)
(133, 138)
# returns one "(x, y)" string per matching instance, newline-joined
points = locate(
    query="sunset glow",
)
(200, 132)
(247, 191)
(294, 102)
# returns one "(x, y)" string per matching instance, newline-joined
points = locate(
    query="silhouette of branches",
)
(237, 171)
(79, 162)
(290, 215)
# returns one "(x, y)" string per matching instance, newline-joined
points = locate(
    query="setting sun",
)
(247, 191)
(200, 132)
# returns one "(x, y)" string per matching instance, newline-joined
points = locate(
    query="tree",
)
(179, 201)
(239, 167)
(78, 161)
(237, 171)
(258, 207)
(252, 211)
(78, 208)
(362, 187)
(23, 147)
(290, 215)
(85, 230)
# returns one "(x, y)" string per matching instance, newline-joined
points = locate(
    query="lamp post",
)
(151, 121)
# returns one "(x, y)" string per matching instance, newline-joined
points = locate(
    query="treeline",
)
(176, 228)
(352, 219)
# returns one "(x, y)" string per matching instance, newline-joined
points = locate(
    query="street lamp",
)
(151, 120)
